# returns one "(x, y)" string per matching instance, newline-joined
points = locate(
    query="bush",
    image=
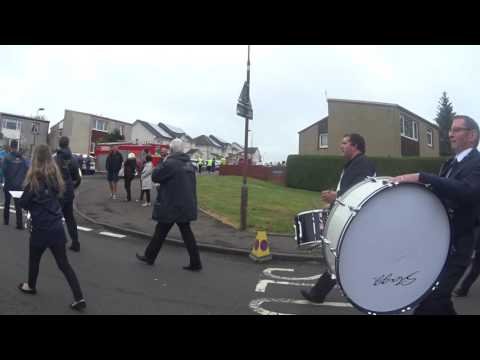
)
(317, 173)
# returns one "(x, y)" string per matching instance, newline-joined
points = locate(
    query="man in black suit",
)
(357, 168)
(458, 185)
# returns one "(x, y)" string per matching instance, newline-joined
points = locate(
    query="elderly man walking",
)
(176, 204)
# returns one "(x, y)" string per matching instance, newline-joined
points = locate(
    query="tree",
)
(112, 137)
(444, 120)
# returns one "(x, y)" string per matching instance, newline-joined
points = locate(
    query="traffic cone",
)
(261, 248)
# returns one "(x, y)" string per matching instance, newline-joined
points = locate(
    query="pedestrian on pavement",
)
(142, 162)
(147, 179)
(14, 170)
(176, 204)
(458, 186)
(44, 186)
(356, 169)
(113, 165)
(129, 168)
(71, 176)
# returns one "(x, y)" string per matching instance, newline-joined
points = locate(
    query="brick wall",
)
(273, 174)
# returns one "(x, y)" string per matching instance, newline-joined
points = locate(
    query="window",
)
(408, 127)
(100, 125)
(323, 141)
(11, 124)
(122, 130)
(430, 137)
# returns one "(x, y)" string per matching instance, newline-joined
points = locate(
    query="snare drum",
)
(309, 227)
(387, 244)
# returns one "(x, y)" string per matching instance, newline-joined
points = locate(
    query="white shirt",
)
(460, 156)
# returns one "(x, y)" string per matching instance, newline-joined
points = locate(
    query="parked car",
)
(86, 163)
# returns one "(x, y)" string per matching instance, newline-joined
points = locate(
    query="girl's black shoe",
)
(78, 305)
(23, 287)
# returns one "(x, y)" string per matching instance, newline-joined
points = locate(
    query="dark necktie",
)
(453, 164)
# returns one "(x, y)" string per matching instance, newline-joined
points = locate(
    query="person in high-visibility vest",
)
(209, 165)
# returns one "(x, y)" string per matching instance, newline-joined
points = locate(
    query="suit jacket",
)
(460, 193)
(355, 171)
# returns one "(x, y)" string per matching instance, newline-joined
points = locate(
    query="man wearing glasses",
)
(458, 185)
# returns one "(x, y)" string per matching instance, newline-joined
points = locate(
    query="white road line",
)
(268, 272)
(106, 233)
(262, 284)
(255, 305)
(83, 228)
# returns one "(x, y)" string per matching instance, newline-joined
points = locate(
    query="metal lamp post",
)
(35, 127)
(244, 109)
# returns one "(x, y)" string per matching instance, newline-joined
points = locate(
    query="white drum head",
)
(394, 249)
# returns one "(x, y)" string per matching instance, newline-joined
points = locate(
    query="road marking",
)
(256, 305)
(262, 284)
(106, 233)
(268, 272)
(83, 228)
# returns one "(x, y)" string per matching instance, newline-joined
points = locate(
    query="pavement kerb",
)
(202, 246)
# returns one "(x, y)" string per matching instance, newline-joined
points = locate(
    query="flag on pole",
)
(244, 107)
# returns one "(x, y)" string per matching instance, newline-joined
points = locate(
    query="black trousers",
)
(67, 209)
(60, 255)
(6, 210)
(322, 287)
(439, 302)
(474, 270)
(161, 232)
(472, 274)
(128, 184)
(147, 193)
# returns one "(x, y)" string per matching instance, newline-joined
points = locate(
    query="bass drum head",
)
(394, 249)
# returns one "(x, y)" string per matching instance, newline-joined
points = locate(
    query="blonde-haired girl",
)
(43, 188)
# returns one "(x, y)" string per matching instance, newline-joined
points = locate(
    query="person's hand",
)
(328, 196)
(413, 178)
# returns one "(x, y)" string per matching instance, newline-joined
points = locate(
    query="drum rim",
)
(430, 289)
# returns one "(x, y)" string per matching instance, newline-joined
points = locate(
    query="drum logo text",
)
(395, 280)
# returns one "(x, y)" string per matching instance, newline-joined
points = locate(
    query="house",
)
(148, 133)
(176, 132)
(28, 131)
(209, 149)
(388, 129)
(226, 146)
(84, 130)
(253, 154)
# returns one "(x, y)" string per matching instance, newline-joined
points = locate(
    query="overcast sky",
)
(196, 87)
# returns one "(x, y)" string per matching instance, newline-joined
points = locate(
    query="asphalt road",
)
(114, 282)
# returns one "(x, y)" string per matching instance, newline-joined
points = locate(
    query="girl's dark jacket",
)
(46, 212)
(177, 195)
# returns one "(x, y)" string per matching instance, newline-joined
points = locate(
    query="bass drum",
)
(387, 244)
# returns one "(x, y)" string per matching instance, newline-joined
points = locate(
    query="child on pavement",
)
(44, 186)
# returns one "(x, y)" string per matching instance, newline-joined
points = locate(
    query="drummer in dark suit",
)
(458, 185)
(357, 168)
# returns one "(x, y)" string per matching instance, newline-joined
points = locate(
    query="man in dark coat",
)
(176, 204)
(129, 168)
(71, 175)
(458, 185)
(14, 169)
(113, 165)
(357, 168)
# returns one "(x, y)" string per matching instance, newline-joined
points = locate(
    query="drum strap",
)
(340, 181)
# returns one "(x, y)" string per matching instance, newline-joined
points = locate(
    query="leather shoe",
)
(144, 259)
(460, 293)
(78, 305)
(75, 247)
(306, 295)
(193, 267)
